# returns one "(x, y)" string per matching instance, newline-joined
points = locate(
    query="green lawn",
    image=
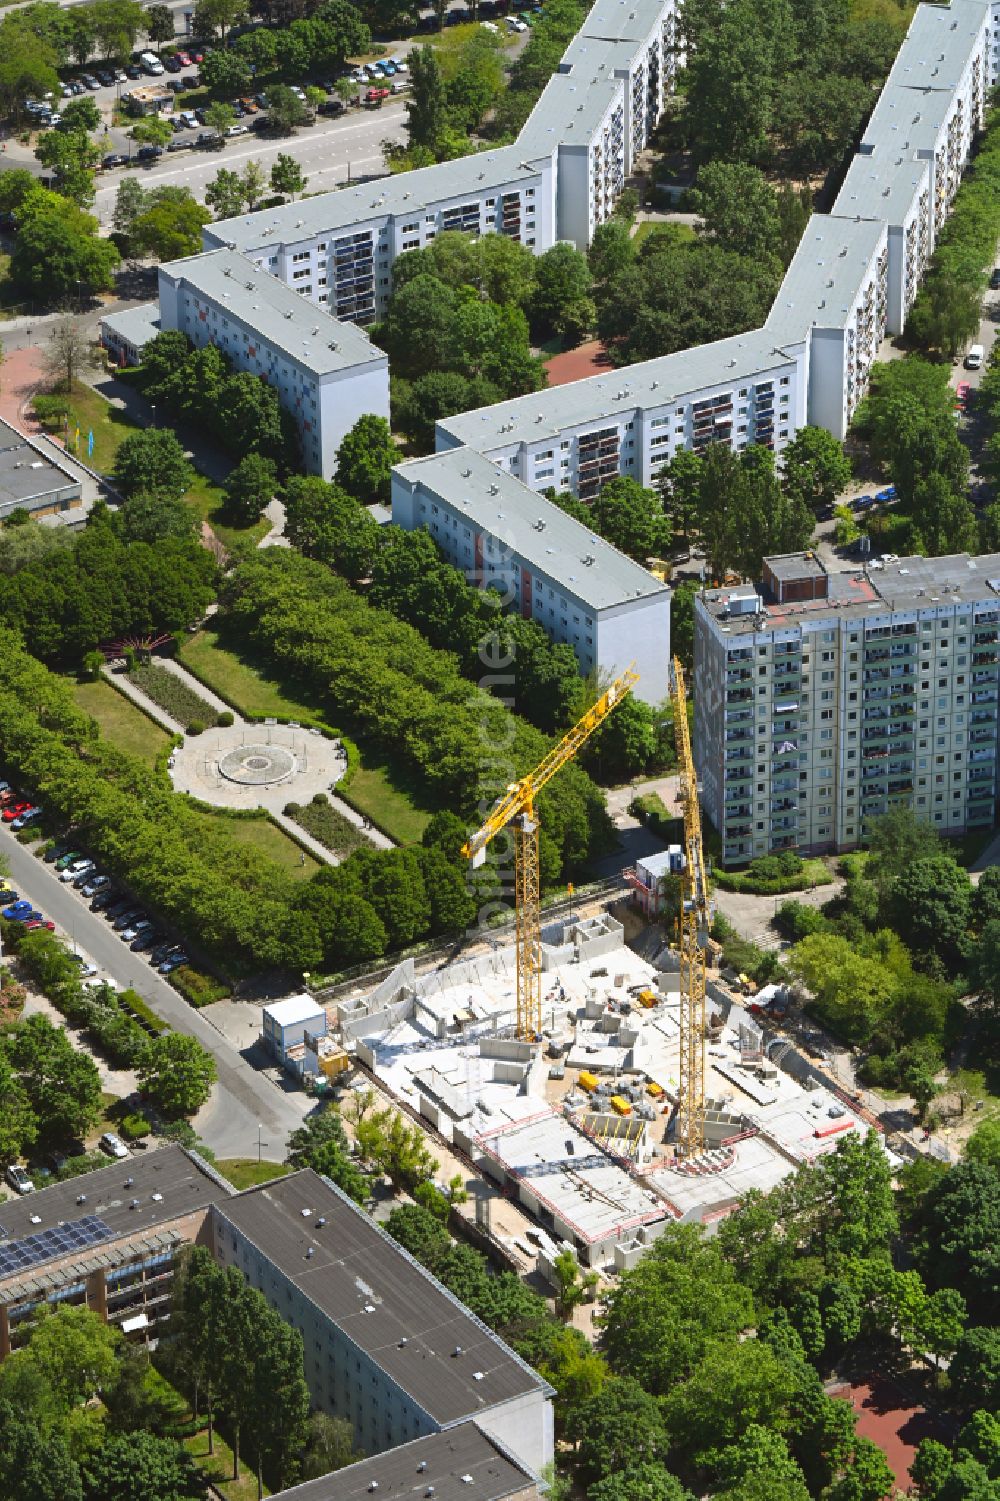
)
(247, 1172)
(682, 231)
(263, 835)
(90, 412)
(219, 1467)
(389, 803)
(238, 679)
(121, 722)
(208, 503)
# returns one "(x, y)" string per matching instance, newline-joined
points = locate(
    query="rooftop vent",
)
(321, 1221)
(134, 1204)
(157, 1198)
(36, 1219)
(421, 1467)
(306, 1213)
(129, 1182)
(81, 1198)
(249, 286)
(457, 1351)
(289, 313)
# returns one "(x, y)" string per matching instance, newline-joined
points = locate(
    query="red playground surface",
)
(891, 1419)
(576, 364)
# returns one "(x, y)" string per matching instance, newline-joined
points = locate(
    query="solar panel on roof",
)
(18, 1255)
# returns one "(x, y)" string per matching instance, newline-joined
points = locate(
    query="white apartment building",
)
(837, 287)
(824, 699)
(547, 565)
(880, 187)
(386, 1347)
(747, 389)
(326, 374)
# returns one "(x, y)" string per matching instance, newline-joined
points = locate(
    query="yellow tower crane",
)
(517, 808)
(694, 923)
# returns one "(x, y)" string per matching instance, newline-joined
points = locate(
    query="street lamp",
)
(259, 1142)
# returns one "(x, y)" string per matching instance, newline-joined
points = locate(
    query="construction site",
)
(608, 1088)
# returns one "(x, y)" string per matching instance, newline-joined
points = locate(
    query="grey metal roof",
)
(367, 1285)
(938, 44)
(906, 120)
(27, 475)
(168, 1183)
(407, 192)
(599, 398)
(137, 325)
(826, 273)
(921, 582)
(505, 508)
(795, 565)
(621, 19)
(882, 186)
(442, 1460)
(572, 105)
(300, 329)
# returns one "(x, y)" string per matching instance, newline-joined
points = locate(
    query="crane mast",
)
(694, 924)
(516, 808)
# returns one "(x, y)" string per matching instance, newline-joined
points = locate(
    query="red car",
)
(962, 394)
(184, 58)
(197, 57)
(14, 810)
(40, 922)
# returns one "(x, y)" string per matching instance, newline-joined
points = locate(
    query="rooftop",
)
(617, 19)
(882, 185)
(124, 1199)
(826, 274)
(136, 325)
(295, 1008)
(531, 526)
(939, 44)
(408, 1324)
(907, 119)
(300, 329)
(27, 475)
(654, 383)
(573, 103)
(795, 565)
(407, 192)
(459, 1464)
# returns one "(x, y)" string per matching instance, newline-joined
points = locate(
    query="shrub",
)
(134, 1126)
(290, 809)
(224, 719)
(171, 693)
(319, 798)
(195, 727)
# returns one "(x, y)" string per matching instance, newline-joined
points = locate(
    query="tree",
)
(224, 194)
(130, 203)
(18, 1126)
(815, 468)
(572, 1288)
(975, 1370)
(738, 209)
(619, 1429)
(982, 1146)
(631, 518)
(396, 1148)
(227, 73)
(759, 1465)
(326, 523)
(287, 176)
(68, 350)
(177, 1073)
(57, 253)
(151, 130)
(420, 1232)
(35, 1462)
(867, 1476)
(159, 24)
(216, 17)
(218, 117)
(285, 110)
(250, 487)
(329, 1446)
(169, 227)
(425, 104)
(562, 288)
(79, 117)
(152, 462)
(640, 1482)
(322, 1145)
(140, 1467)
(365, 459)
(930, 904)
(958, 1243)
(254, 184)
(63, 1085)
(75, 1351)
(72, 157)
(150, 518)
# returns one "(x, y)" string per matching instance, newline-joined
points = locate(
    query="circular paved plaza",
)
(257, 765)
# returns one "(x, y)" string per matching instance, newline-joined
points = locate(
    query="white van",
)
(150, 63)
(974, 358)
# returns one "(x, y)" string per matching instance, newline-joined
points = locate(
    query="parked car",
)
(31, 916)
(90, 81)
(962, 394)
(86, 968)
(197, 55)
(18, 1179)
(105, 78)
(79, 867)
(30, 817)
(172, 64)
(148, 153)
(237, 130)
(130, 915)
(8, 897)
(116, 909)
(68, 858)
(209, 140)
(133, 72)
(174, 962)
(103, 899)
(145, 940)
(16, 911)
(40, 922)
(184, 58)
(111, 1143)
(94, 884)
(114, 159)
(133, 929)
(331, 107)
(14, 810)
(83, 878)
(180, 145)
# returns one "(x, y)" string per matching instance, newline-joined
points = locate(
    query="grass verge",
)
(207, 500)
(92, 413)
(266, 838)
(247, 1172)
(388, 802)
(120, 721)
(218, 1468)
(239, 679)
(813, 873)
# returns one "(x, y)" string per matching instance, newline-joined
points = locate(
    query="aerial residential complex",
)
(386, 1346)
(824, 699)
(550, 567)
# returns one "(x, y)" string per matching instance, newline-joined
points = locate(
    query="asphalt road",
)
(243, 1098)
(326, 152)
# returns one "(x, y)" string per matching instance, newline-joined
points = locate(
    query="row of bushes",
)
(775, 875)
(326, 824)
(172, 695)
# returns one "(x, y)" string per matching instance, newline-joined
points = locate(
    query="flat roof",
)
(168, 1183)
(571, 1175)
(622, 19)
(136, 325)
(795, 565)
(826, 273)
(367, 1285)
(461, 1464)
(27, 475)
(301, 330)
(882, 185)
(598, 398)
(939, 43)
(295, 1008)
(506, 508)
(573, 104)
(406, 192)
(908, 119)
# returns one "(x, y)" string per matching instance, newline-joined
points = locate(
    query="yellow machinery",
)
(517, 808)
(694, 924)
